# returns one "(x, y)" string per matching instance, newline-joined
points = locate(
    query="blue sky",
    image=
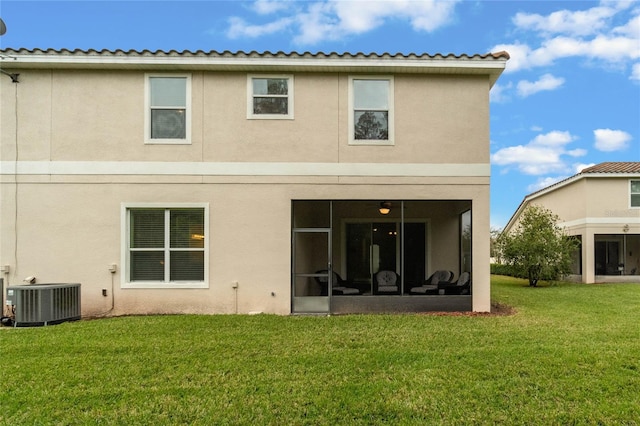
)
(569, 97)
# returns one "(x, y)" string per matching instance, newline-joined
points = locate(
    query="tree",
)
(538, 248)
(371, 127)
(494, 249)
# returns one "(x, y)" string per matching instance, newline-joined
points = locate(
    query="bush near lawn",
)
(509, 270)
(570, 354)
(503, 269)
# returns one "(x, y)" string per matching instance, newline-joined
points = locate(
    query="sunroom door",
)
(311, 276)
(311, 256)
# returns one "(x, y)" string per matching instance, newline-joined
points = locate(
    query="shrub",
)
(537, 249)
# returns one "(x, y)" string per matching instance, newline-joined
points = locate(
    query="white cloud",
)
(582, 34)
(355, 17)
(635, 72)
(529, 160)
(542, 155)
(265, 7)
(555, 138)
(602, 47)
(630, 29)
(578, 152)
(611, 140)
(581, 166)
(429, 15)
(313, 22)
(238, 27)
(577, 23)
(613, 49)
(518, 56)
(544, 182)
(498, 92)
(618, 4)
(546, 82)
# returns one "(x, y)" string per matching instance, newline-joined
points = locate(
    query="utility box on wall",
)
(44, 304)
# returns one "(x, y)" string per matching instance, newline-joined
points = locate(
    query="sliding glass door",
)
(376, 246)
(415, 254)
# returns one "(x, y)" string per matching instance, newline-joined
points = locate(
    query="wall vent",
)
(44, 304)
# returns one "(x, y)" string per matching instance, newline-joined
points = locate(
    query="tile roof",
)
(613, 167)
(489, 64)
(252, 54)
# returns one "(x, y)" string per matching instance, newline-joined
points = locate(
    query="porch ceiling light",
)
(385, 207)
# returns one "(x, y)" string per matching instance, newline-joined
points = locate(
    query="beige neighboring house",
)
(207, 182)
(601, 207)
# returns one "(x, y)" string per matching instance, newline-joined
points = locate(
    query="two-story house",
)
(600, 206)
(207, 182)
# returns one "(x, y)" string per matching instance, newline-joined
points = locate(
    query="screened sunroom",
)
(614, 254)
(353, 256)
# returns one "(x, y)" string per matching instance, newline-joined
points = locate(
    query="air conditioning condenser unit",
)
(44, 304)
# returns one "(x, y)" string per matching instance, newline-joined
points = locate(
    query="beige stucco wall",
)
(609, 198)
(568, 202)
(66, 226)
(71, 232)
(597, 197)
(99, 116)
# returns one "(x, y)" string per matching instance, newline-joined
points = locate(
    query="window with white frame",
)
(270, 97)
(165, 246)
(635, 193)
(168, 111)
(371, 110)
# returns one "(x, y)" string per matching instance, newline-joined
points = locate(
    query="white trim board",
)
(242, 169)
(620, 220)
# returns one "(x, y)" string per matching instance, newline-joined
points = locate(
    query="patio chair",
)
(339, 285)
(430, 285)
(387, 282)
(462, 286)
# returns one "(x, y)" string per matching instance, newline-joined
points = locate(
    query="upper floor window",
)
(168, 109)
(165, 246)
(371, 110)
(635, 193)
(270, 97)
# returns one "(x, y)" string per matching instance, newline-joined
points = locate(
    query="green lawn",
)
(569, 355)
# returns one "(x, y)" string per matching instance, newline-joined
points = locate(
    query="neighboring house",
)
(206, 182)
(601, 207)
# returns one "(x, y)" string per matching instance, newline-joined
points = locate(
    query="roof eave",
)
(491, 65)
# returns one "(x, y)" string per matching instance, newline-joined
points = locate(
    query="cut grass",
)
(569, 355)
